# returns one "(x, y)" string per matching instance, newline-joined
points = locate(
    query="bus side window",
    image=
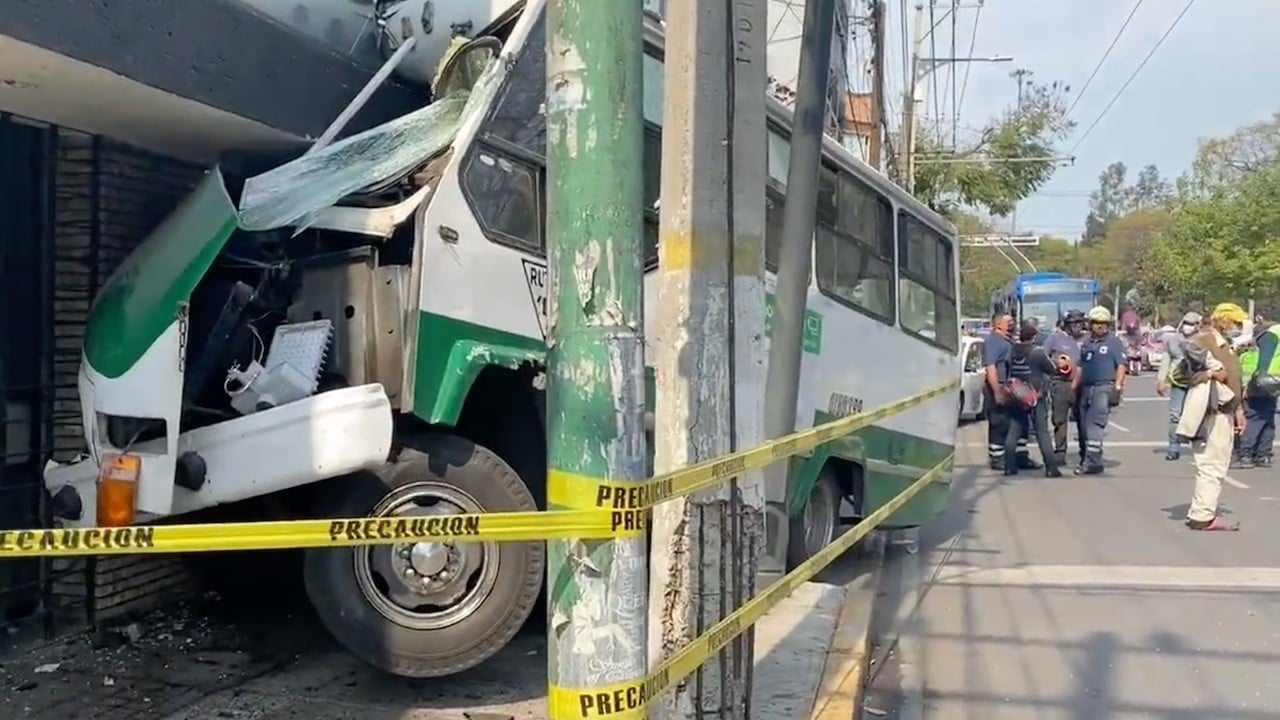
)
(853, 266)
(773, 208)
(926, 287)
(652, 187)
(517, 116)
(505, 195)
(779, 162)
(651, 87)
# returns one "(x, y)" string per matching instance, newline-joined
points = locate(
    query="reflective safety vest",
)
(1249, 358)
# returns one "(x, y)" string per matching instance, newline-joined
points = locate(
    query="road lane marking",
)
(1118, 426)
(1128, 400)
(1139, 576)
(1235, 483)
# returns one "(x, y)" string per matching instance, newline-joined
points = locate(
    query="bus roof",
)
(1060, 282)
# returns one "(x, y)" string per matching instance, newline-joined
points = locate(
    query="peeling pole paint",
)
(595, 363)
(698, 543)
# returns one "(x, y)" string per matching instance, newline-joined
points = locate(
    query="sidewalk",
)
(224, 659)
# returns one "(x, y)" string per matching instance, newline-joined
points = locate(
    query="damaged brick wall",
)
(109, 196)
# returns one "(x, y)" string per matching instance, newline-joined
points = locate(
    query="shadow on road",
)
(989, 650)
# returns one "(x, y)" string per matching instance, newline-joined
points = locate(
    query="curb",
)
(845, 670)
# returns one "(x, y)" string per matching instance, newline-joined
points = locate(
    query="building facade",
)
(109, 114)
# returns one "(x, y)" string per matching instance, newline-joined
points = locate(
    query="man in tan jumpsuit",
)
(1213, 454)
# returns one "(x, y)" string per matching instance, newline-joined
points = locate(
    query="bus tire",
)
(819, 524)
(427, 609)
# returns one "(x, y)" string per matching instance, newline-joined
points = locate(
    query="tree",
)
(1149, 190)
(1106, 203)
(1222, 240)
(1010, 159)
(1225, 161)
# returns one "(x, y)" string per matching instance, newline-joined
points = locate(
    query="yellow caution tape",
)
(627, 700)
(578, 491)
(212, 537)
(602, 509)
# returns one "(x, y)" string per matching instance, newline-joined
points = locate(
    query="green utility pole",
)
(596, 632)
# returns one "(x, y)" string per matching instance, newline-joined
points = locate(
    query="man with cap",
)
(1102, 374)
(1063, 348)
(1175, 345)
(1212, 453)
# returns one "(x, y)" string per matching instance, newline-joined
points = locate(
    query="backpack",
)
(1023, 393)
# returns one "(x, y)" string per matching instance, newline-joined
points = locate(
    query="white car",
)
(972, 402)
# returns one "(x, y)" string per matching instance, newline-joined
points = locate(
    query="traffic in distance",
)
(406, 318)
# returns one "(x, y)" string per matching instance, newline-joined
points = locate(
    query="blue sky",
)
(1208, 78)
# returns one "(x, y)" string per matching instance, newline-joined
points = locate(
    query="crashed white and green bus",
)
(363, 326)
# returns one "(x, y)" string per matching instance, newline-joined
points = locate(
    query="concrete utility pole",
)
(597, 628)
(748, 173)
(1019, 76)
(693, 538)
(874, 149)
(919, 69)
(795, 255)
(910, 116)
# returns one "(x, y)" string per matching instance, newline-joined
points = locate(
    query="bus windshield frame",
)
(1048, 307)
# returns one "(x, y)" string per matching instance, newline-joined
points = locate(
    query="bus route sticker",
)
(535, 276)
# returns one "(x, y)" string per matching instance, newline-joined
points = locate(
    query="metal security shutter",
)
(28, 606)
(109, 197)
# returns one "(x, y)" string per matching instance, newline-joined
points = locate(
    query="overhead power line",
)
(964, 83)
(1103, 60)
(1136, 71)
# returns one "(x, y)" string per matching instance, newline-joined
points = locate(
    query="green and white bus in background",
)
(363, 326)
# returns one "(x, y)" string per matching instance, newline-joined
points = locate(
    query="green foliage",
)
(1212, 236)
(950, 179)
(1224, 241)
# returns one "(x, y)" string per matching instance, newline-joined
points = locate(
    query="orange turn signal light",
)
(118, 489)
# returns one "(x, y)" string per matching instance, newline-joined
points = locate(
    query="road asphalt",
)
(1085, 598)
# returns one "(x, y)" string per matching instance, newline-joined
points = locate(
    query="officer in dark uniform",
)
(1102, 374)
(996, 350)
(1063, 347)
(1023, 456)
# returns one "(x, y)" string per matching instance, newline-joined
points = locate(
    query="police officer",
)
(1102, 374)
(1063, 347)
(996, 351)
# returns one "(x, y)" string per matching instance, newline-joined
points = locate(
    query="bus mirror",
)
(463, 68)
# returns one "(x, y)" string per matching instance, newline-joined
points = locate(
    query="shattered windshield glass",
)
(293, 193)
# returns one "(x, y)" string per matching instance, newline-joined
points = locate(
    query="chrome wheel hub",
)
(431, 584)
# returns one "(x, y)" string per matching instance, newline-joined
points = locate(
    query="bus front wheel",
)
(427, 609)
